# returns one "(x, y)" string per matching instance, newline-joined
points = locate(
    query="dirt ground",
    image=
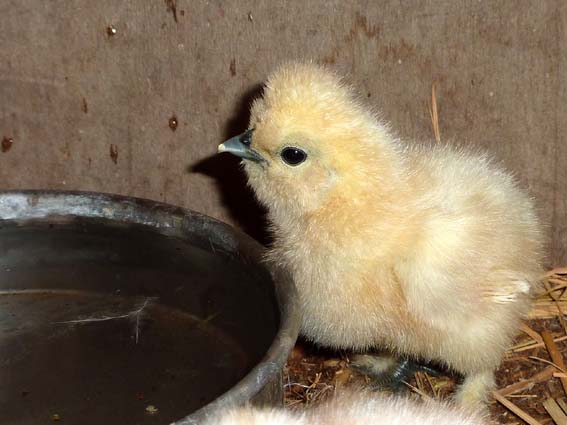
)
(529, 380)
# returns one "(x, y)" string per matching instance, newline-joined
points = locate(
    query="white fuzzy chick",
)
(430, 252)
(354, 410)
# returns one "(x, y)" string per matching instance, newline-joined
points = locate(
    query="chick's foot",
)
(388, 372)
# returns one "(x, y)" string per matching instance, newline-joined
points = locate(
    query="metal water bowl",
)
(117, 310)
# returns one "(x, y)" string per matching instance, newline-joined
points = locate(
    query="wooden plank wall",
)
(88, 89)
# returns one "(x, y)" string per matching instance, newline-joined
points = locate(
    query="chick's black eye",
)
(293, 156)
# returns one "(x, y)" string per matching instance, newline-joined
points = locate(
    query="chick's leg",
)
(475, 388)
(389, 372)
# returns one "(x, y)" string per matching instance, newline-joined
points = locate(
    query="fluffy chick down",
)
(355, 410)
(429, 251)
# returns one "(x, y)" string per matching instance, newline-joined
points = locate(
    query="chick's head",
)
(308, 140)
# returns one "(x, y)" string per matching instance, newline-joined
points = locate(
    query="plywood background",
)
(88, 88)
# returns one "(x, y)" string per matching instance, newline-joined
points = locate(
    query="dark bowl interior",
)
(122, 311)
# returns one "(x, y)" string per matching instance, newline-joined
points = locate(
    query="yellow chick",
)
(354, 410)
(428, 251)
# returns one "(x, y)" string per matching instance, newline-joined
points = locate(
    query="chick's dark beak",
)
(241, 146)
